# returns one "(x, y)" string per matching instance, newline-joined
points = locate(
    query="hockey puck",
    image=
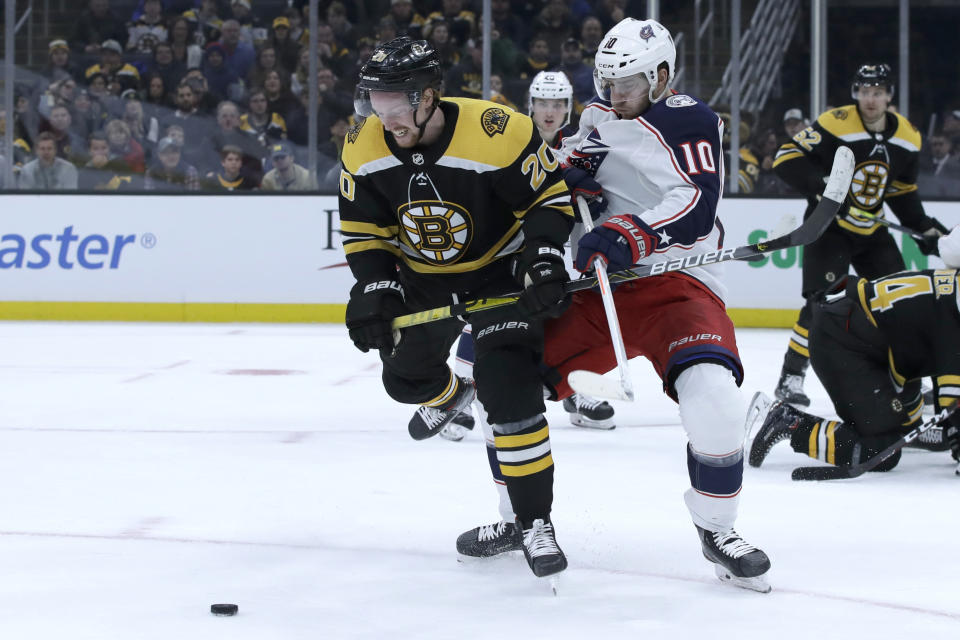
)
(224, 609)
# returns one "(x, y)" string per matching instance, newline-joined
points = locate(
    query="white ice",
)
(147, 471)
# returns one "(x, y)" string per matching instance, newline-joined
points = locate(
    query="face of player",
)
(873, 103)
(548, 114)
(397, 114)
(630, 96)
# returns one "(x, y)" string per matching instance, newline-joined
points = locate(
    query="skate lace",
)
(539, 539)
(731, 544)
(491, 531)
(586, 402)
(431, 416)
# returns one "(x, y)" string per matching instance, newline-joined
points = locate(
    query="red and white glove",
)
(621, 242)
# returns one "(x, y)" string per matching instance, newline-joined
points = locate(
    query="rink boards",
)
(279, 258)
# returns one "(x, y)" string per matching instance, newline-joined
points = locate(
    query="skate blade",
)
(554, 582)
(757, 412)
(464, 559)
(579, 421)
(757, 583)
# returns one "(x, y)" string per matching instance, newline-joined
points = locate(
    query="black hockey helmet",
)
(404, 65)
(873, 75)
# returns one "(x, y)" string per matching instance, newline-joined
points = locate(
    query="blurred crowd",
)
(213, 95)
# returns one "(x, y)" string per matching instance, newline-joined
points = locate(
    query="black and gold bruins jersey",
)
(453, 211)
(917, 313)
(886, 167)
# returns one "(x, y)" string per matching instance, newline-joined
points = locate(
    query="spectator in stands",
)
(298, 33)
(577, 71)
(157, 101)
(144, 129)
(223, 82)
(408, 21)
(286, 49)
(298, 80)
(386, 29)
(268, 127)
(462, 22)
(496, 92)
(329, 96)
(793, 123)
(286, 174)
(939, 168)
(103, 172)
(331, 53)
(266, 61)
(60, 65)
(951, 127)
(21, 148)
(591, 33)
(756, 164)
(166, 65)
(88, 115)
(229, 178)
(59, 92)
(536, 60)
(185, 52)
(238, 55)
(170, 172)
(343, 30)
(124, 147)
(554, 24)
(70, 145)
(97, 24)
(443, 44)
(187, 116)
(48, 172)
(610, 12)
(229, 134)
(206, 102)
(145, 32)
(116, 71)
(279, 97)
(510, 25)
(250, 28)
(466, 78)
(205, 23)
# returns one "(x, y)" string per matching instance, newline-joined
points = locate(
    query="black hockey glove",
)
(541, 271)
(583, 184)
(371, 307)
(928, 245)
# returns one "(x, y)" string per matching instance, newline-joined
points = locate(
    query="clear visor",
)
(384, 104)
(627, 86)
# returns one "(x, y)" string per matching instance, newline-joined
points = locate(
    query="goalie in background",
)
(870, 344)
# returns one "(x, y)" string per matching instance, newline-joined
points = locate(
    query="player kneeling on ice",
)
(871, 342)
(659, 167)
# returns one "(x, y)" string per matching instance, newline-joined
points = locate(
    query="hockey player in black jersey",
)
(445, 199)
(886, 147)
(870, 344)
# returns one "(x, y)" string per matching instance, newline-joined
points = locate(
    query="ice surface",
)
(147, 471)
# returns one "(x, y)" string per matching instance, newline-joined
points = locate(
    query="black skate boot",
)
(777, 424)
(736, 561)
(429, 421)
(790, 389)
(490, 540)
(587, 412)
(540, 548)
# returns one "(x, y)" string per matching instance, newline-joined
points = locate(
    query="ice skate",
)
(588, 412)
(790, 390)
(490, 540)
(780, 419)
(541, 550)
(757, 412)
(453, 432)
(429, 421)
(933, 439)
(735, 560)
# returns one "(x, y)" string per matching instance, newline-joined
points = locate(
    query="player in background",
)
(886, 147)
(659, 166)
(549, 104)
(446, 199)
(871, 342)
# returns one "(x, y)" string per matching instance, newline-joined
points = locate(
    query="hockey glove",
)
(928, 245)
(541, 272)
(582, 184)
(371, 307)
(621, 242)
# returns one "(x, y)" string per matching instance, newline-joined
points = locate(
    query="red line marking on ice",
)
(360, 374)
(319, 547)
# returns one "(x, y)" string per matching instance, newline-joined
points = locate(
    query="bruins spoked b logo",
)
(439, 231)
(869, 183)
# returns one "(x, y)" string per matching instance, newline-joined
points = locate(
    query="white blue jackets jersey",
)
(666, 167)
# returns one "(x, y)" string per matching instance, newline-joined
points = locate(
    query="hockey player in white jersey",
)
(659, 167)
(549, 105)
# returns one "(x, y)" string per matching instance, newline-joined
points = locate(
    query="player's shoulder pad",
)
(488, 133)
(679, 110)
(841, 121)
(906, 135)
(363, 145)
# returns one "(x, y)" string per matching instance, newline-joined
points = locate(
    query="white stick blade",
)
(840, 175)
(597, 386)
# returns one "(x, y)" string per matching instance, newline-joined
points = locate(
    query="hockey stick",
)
(842, 473)
(588, 382)
(893, 225)
(812, 228)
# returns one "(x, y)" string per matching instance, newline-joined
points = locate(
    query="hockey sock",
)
(797, 357)
(715, 476)
(523, 453)
(839, 444)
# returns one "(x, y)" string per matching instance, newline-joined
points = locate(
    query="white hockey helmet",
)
(551, 85)
(634, 47)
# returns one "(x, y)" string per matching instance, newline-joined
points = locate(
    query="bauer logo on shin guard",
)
(513, 324)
